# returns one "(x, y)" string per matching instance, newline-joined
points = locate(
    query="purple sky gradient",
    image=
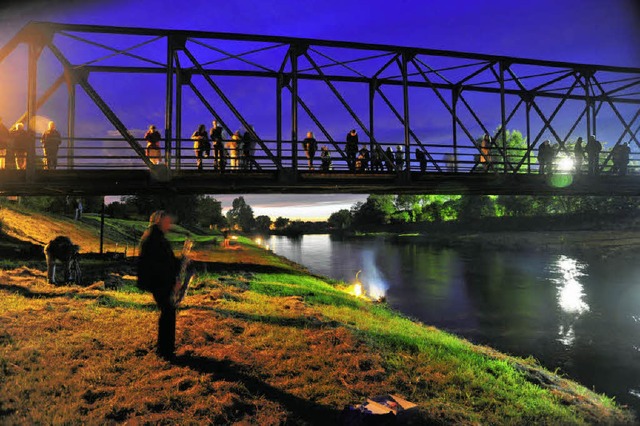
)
(583, 31)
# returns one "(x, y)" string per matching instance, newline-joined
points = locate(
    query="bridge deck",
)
(161, 180)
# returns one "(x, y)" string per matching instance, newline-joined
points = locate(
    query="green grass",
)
(260, 341)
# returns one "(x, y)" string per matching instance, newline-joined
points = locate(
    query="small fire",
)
(357, 289)
(258, 241)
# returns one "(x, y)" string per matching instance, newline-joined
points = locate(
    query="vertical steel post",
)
(528, 120)
(178, 150)
(34, 52)
(503, 117)
(405, 99)
(279, 85)
(372, 94)
(454, 116)
(294, 106)
(71, 120)
(587, 95)
(102, 227)
(168, 113)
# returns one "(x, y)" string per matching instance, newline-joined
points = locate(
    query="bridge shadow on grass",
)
(307, 322)
(239, 267)
(100, 299)
(301, 409)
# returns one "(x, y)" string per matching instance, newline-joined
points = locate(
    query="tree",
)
(281, 223)
(241, 215)
(374, 212)
(263, 224)
(209, 212)
(340, 220)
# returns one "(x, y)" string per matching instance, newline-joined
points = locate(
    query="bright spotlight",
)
(565, 164)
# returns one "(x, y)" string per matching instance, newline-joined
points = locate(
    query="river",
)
(579, 315)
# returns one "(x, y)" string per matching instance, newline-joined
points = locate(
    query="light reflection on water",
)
(565, 274)
(580, 315)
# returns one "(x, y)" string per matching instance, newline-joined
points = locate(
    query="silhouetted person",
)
(377, 156)
(578, 155)
(51, 141)
(351, 149)
(388, 160)
(78, 209)
(421, 159)
(158, 269)
(362, 163)
(201, 145)
(310, 146)
(620, 158)
(248, 147)
(59, 249)
(593, 149)
(21, 142)
(545, 157)
(325, 158)
(399, 158)
(5, 142)
(153, 137)
(215, 134)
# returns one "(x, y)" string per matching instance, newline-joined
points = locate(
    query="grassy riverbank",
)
(259, 340)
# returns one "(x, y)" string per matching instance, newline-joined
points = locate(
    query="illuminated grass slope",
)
(259, 340)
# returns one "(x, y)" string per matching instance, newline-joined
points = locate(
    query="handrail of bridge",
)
(91, 153)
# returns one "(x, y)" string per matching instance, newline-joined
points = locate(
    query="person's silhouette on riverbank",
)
(158, 268)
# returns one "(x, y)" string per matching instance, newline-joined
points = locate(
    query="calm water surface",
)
(580, 315)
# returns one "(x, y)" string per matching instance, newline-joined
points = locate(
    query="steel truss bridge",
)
(276, 88)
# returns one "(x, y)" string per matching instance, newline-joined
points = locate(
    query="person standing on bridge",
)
(578, 155)
(153, 144)
(201, 145)
(232, 149)
(325, 158)
(421, 159)
(21, 142)
(215, 135)
(51, 141)
(5, 140)
(158, 268)
(310, 146)
(485, 151)
(545, 157)
(351, 149)
(248, 150)
(593, 149)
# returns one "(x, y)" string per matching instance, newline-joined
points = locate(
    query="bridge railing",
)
(116, 154)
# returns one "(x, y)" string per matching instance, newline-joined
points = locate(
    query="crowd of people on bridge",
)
(237, 152)
(548, 156)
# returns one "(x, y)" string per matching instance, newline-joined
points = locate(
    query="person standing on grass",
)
(158, 268)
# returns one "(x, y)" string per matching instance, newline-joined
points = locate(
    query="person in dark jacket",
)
(51, 141)
(351, 149)
(201, 145)
(593, 149)
(158, 268)
(578, 155)
(422, 160)
(310, 146)
(21, 141)
(215, 134)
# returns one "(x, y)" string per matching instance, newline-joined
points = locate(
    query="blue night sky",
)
(583, 31)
